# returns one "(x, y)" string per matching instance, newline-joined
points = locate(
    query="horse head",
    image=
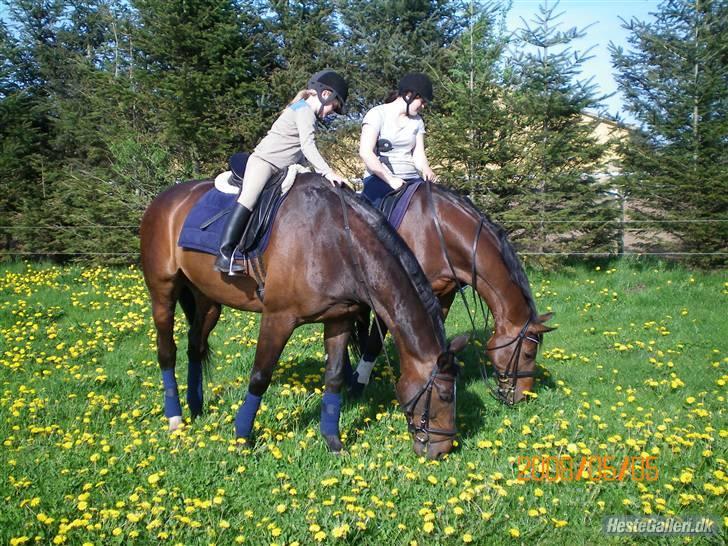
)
(514, 359)
(430, 405)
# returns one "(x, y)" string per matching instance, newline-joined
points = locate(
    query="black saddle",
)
(254, 238)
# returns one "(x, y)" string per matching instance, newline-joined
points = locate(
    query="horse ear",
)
(459, 343)
(545, 317)
(539, 327)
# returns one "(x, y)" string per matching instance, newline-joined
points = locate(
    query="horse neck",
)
(418, 337)
(494, 283)
(503, 295)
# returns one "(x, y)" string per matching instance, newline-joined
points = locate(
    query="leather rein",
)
(506, 380)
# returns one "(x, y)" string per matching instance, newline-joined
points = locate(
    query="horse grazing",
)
(314, 274)
(458, 245)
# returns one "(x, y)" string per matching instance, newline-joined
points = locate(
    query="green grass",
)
(636, 367)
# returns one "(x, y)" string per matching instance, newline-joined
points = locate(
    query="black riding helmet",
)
(418, 84)
(330, 80)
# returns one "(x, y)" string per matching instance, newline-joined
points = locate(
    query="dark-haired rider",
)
(392, 143)
(392, 146)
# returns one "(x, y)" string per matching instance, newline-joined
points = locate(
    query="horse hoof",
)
(243, 445)
(356, 389)
(175, 422)
(334, 444)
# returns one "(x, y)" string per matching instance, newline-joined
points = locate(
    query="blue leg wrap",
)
(246, 415)
(330, 411)
(172, 407)
(194, 387)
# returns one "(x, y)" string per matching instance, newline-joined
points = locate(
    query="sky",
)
(604, 16)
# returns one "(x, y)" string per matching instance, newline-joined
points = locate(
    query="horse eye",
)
(529, 356)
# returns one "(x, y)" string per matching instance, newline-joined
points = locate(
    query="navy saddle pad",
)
(394, 205)
(206, 220)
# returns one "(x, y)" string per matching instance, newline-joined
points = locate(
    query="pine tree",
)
(674, 82)
(384, 39)
(202, 65)
(27, 155)
(467, 131)
(308, 40)
(552, 196)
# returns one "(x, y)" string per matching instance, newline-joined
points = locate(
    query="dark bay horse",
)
(470, 249)
(315, 273)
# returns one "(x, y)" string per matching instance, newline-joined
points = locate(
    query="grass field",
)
(637, 368)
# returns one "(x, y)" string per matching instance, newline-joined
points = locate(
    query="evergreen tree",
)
(26, 156)
(674, 82)
(466, 134)
(551, 194)
(308, 41)
(201, 64)
(384, 39)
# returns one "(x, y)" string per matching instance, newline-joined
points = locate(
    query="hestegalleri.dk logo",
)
(661, 525)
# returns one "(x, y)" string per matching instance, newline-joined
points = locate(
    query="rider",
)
(289, 141)
(392, 143)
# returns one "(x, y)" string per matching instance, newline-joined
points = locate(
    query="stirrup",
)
(223, 264)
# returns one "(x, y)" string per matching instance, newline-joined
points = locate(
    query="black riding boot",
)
(230, 238)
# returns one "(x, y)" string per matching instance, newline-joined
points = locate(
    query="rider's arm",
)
(420, 158)
(306, 122)
(367, 144)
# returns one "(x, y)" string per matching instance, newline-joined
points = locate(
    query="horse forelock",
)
(508, 253)
(394, 244)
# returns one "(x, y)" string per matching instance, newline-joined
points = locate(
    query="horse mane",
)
(396, 246)
(508, 253)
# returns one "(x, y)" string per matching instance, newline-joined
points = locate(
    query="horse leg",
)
(163, 307)
(272, 337)
(446, 302)
(202, 314)
(372, 349)
(336, 338)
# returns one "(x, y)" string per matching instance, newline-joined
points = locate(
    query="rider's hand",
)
(396, 182)
(429, 175)
(336, 179)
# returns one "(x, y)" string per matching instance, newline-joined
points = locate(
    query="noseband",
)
(423, 431)
(509, 377)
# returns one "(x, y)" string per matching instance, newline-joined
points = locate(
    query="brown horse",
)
(457, 245)
(316, 272)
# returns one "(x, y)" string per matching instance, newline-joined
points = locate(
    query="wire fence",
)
(621, 225)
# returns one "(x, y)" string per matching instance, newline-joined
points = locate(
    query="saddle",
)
(395, 204)
(206, 220)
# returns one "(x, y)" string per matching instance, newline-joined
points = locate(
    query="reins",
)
(501, 393)
(358, 271)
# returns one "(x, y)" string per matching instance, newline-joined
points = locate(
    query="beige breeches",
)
(257, 173)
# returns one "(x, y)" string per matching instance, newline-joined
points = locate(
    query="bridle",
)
(506, 380)
(504, 393)
(423, 431)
